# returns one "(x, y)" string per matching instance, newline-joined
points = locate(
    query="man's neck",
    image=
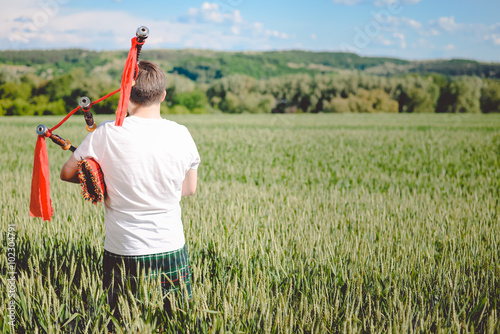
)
(152, 111)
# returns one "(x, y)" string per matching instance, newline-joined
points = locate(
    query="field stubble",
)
(305, 223)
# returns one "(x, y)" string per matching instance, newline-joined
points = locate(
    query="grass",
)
(301, 223)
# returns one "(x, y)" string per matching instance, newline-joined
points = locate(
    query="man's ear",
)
(164, 95)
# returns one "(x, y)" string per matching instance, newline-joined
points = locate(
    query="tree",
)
(52, 108)
(20, 107)
(366, 101)
(2, 111)
(417, 94)
(336, 105)
(490, 96)
(468, 94)
(12, 91)
(107, 106)
(382, 102)
(177, 84)
(191, 100)
(462, 95)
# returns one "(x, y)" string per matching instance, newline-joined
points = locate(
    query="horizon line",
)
(259, 51)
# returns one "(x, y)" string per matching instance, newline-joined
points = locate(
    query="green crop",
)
(301, 223)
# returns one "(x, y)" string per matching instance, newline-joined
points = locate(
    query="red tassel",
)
(130, 69)
(41, 204)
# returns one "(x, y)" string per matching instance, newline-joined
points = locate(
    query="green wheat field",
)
(301, 224)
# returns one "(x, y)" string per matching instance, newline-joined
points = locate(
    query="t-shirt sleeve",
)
(194, 156)
(91, 146)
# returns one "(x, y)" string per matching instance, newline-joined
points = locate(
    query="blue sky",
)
(409, 29)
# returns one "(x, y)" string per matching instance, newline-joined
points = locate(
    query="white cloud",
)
(71, 29)
(314, 37)
(381, 3)
(383, 41)
(449, 47)
(402, 39)
(378, 3)
(494, 38)
(235, 30)
(276, 34)
(395, 40)
(347, 2)
(423, 44)
(447, 23)
(258, 27)
(210, 12)
(472, 31)
(21, 19)
(392, 23)
(411, 23)
(493, 34)
(208, 26)
(429, 31)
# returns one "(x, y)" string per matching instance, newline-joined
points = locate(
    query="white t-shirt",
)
(144, 163)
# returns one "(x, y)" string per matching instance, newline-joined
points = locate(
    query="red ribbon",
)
(40, 203)
(129, 74)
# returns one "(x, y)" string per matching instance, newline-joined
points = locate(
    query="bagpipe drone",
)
(89, 172)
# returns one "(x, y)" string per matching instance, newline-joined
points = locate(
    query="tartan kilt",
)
(171, 268)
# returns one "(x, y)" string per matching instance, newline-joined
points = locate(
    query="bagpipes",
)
(89, 172)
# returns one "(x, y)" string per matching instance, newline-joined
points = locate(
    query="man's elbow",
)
(189, 183)
(63, 175)
(188, 192)
(67, 176)
(69, 172)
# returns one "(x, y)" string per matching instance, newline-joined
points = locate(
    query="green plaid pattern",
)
(171, 267)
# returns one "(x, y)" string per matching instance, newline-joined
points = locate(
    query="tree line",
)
(44, 82)
(29, 94)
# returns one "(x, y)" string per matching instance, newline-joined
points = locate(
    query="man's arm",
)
(69, 171)
(189, 183)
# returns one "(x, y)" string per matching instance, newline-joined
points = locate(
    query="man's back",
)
(144, 163)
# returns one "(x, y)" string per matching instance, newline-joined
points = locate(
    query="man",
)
(148, 164)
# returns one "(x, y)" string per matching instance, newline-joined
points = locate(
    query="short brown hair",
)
(150, 84)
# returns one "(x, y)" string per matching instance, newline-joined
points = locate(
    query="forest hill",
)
(30, 84)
